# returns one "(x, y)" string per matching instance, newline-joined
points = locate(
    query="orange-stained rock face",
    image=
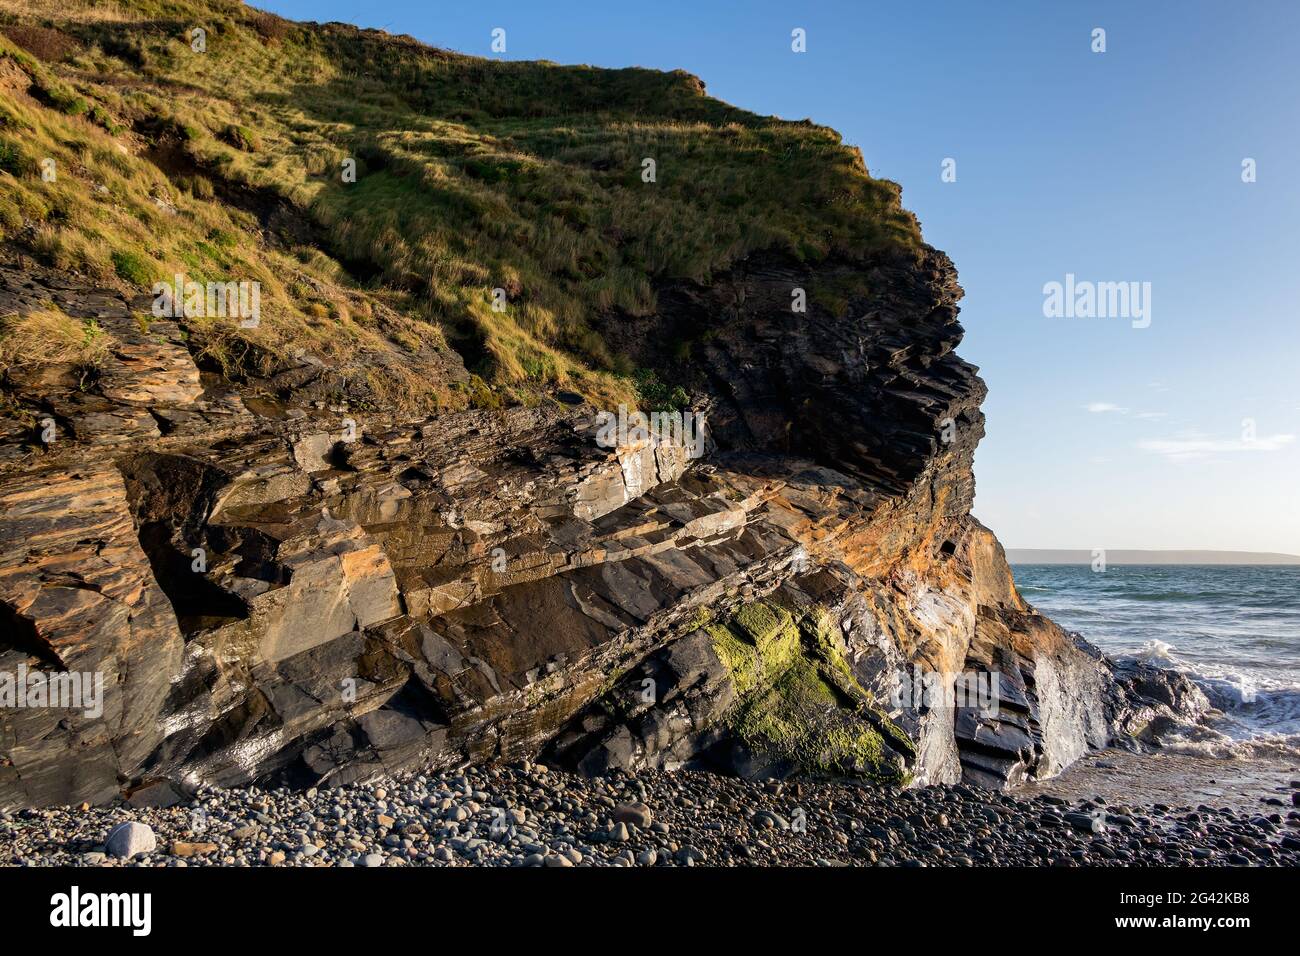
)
(77, 594)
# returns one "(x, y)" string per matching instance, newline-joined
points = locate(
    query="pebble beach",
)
(529, 815)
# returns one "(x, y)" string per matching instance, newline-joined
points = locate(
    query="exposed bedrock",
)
(317, 596)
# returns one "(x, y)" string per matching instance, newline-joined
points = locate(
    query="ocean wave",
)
(1259, 710)
(1178, 597)
(1235, 632)
(1224, 747)
(1156, 652)
(1250, 709)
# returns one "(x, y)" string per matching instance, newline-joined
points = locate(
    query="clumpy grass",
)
(241, 137)
(12, 160)
(50, 337)
(472, 176)
(657, 396)
(134, 268)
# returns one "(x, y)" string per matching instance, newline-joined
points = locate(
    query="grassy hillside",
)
(471, 175)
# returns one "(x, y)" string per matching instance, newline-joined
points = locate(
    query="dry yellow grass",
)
(472, 175)
(49, 336)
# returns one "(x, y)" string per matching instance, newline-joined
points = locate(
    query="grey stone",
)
(127, 840)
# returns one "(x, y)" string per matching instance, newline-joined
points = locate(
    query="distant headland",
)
(1121, 556)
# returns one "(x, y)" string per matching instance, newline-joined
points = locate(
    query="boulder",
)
(78, 594)
(127, 840)
(312, 451)
(183, 849)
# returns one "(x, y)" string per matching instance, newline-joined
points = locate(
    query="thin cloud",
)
(1110, 408)
(1190, 449)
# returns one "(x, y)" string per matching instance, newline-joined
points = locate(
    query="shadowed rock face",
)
(868, 392)
(283, 598)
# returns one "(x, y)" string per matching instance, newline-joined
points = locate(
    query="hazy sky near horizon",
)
(1122, 166)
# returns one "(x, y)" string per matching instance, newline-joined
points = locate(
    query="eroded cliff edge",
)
(376, 593)
(375, 526)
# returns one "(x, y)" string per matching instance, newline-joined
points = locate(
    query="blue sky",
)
(1117, 166)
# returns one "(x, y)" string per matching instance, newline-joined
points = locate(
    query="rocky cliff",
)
(286, 571)
(285, 595)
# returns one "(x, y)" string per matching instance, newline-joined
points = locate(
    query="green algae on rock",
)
(798, 699)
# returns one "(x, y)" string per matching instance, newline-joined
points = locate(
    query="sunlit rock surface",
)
(315, 596)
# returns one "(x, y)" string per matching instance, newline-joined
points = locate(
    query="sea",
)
(1233, 629)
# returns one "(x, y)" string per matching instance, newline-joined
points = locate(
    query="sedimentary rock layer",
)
(275, 589)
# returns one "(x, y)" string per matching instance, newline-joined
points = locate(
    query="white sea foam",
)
(1223, 747)
(1156, 652)
(1254, 716)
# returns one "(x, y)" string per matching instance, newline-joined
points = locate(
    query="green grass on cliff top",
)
(472, 174)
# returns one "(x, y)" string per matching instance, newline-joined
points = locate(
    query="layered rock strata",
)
(275, 590)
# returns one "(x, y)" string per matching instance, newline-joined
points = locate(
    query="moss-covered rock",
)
(758, 644)
(798, 699)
